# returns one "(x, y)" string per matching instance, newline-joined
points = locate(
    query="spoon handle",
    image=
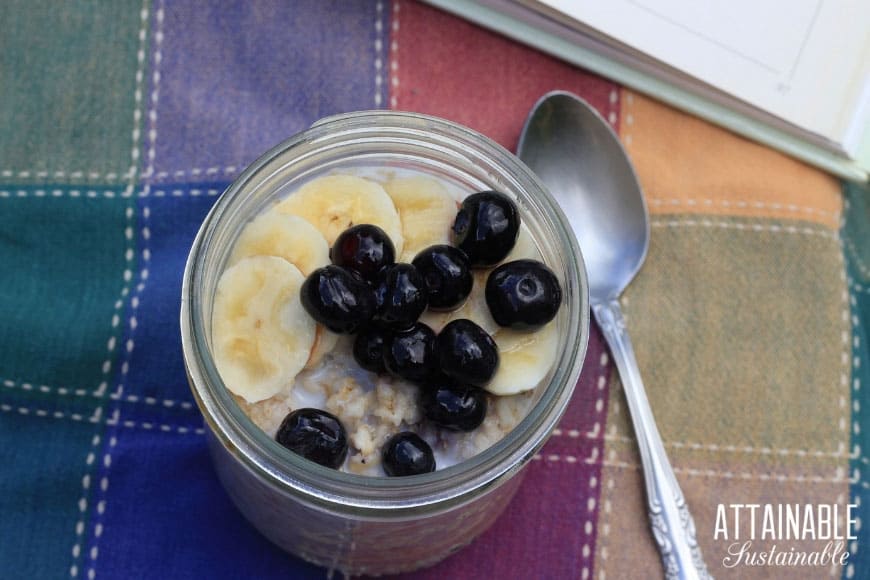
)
(671, 522)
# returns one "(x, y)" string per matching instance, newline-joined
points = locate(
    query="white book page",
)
(806, 61)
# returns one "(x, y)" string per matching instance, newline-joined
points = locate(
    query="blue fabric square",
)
(166, 516)
(171, 217)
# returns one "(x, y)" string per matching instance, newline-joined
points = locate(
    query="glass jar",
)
(353, 523)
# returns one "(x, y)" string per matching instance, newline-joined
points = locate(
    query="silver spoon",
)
(580, 159)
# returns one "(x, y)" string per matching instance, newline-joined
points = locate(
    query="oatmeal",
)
(380, 325)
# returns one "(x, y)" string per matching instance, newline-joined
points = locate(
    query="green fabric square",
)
(44, 461)
(67, 84)
(66, 261)
(856, 230)
(756, 349)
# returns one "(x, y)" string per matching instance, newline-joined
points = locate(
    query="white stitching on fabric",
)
(746, 226)
(394, 59)
(628, 112)
(119, 303)
(835, 216)
(61, 174)
(155, 89)
(92, 194)
(83, 500)
(713, 447)
(607, 491)
(857, 452)
(778, 477)
(229, 170)
(601, 382)
(100, 391)
(101, 508)
(612, 117)
(9, 384)
(379, 46)
(137, 97)
(853, 251)
(97, 420)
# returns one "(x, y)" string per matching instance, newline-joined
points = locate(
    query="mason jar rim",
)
(367, 496)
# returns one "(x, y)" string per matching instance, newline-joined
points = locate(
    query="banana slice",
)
(285, 236)
(324, 341)
(525, 358)
(262, 335)
(525, 248)
(336, 202)
(435, 320)
(475, 307)
(426, 210)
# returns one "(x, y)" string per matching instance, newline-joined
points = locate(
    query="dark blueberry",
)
(466, 352)
(380, 287)
(410, 353)
(524, 294)
(337, 299)
(448, 276)
(454, 407)
(363, 248)
(368, 349)
(407, 453)
(401, 296)
(486, 227)
(315, 435)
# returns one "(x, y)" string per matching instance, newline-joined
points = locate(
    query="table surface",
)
(120, 124)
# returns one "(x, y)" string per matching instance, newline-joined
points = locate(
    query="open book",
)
(794, 75)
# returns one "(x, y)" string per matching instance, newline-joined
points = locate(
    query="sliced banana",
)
(324, 341)
(475, 307)
(426, 211)
(525, 248)
(525, 358)
(285, 236)
(435, 320)
(262, 335)
(336, 202)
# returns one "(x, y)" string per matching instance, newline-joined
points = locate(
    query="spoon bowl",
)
(597, 189)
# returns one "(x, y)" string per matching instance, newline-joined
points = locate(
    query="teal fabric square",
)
(45, 462)
(69, 263)
(856, 249)
(69, 85)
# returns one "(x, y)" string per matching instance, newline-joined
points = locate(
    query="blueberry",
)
(315, 435)
(448, 276)
(337, 299)
(454, 407)
(365, 249)
(524, 294)
(407, 453)
(410, 353)
(486, 227)
(368, 349)
(401, 296)
(466, 352)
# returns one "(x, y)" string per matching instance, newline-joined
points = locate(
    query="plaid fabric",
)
(120, 123)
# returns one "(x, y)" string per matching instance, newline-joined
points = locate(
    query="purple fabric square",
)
(235, 78)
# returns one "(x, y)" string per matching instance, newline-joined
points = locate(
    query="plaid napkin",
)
(120, 122)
